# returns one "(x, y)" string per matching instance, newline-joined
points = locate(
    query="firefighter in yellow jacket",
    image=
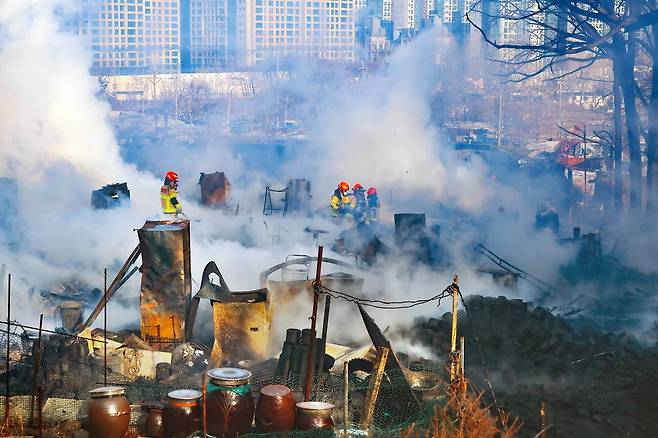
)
(341, 201)
(169, 195)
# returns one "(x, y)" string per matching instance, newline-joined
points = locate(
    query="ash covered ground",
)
(593, 382)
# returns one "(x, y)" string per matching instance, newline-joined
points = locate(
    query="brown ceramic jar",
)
(154, 423)
(109, 412)
(182, 416)
(229, 403)
(275, 410)
(314, 415)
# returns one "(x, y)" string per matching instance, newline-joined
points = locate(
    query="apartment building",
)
(276, 29)
(130, 36)
(206, 30)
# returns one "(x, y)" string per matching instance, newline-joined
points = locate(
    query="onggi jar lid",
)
(275, 390)
(185, 394)
(107, 391)
(315, 406)
(229, 376)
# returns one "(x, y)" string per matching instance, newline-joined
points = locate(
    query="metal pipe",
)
(112, 289)
(173, 328)
(35, 370)
(105, 327)
(204, 395)
(7, 363)
(346, 384)
(325, 326)
(311, 350)
(40, 409)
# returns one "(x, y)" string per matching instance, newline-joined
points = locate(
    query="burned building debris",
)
(386, 390)
(579, 371)
(215, 189)
(299, 196)
(111, 196)
(166, 288)
(241, 320)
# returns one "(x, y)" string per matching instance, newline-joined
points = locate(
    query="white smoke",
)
(58, 143)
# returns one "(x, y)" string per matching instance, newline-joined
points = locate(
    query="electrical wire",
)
(405, 304)
(382, 304)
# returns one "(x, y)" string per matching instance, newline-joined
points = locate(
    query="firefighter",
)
(169, 195)
(359, 204)
(340, 200)
(373, 204)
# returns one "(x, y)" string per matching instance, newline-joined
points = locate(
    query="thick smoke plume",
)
(59, 144)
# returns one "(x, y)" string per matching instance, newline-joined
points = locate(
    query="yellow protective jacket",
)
(335, 202)
(169, 200)
(340, 202)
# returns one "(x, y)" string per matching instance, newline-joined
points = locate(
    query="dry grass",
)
(464, 416)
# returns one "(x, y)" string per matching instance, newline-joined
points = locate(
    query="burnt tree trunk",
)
(618, 146)
(652, 138)
(624, 56)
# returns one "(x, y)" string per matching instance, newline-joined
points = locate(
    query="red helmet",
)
(171, 176)
(343, 186)
(357, 186)
(372, 191)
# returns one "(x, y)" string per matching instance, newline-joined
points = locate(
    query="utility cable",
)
(381, 304)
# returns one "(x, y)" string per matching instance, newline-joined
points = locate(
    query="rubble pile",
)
(594, 383)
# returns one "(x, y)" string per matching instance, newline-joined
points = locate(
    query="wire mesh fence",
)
(392, 413)
(48, 388)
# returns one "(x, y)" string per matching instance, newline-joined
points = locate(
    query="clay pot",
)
(154, 423)
(275, 411)
(229, 403)
(314, 415)
(109, 412)
(182, 416)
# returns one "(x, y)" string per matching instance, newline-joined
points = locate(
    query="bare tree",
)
(562, 37)
(193, 102)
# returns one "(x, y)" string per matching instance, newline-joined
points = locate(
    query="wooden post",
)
(40, 409)
(35, 370)
(462, 374)
(310, 361)
(454, 363)
(346, 384)
(204, 395)
(8, 336)
(542, 421)
(373, 387)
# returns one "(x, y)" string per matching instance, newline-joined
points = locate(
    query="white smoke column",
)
(56, 143)
(381, 134)
(52, 115)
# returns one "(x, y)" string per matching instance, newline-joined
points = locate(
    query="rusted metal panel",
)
(284, 292)
(166, 280)
(215, 189)
(242, 327)
(241, 320)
